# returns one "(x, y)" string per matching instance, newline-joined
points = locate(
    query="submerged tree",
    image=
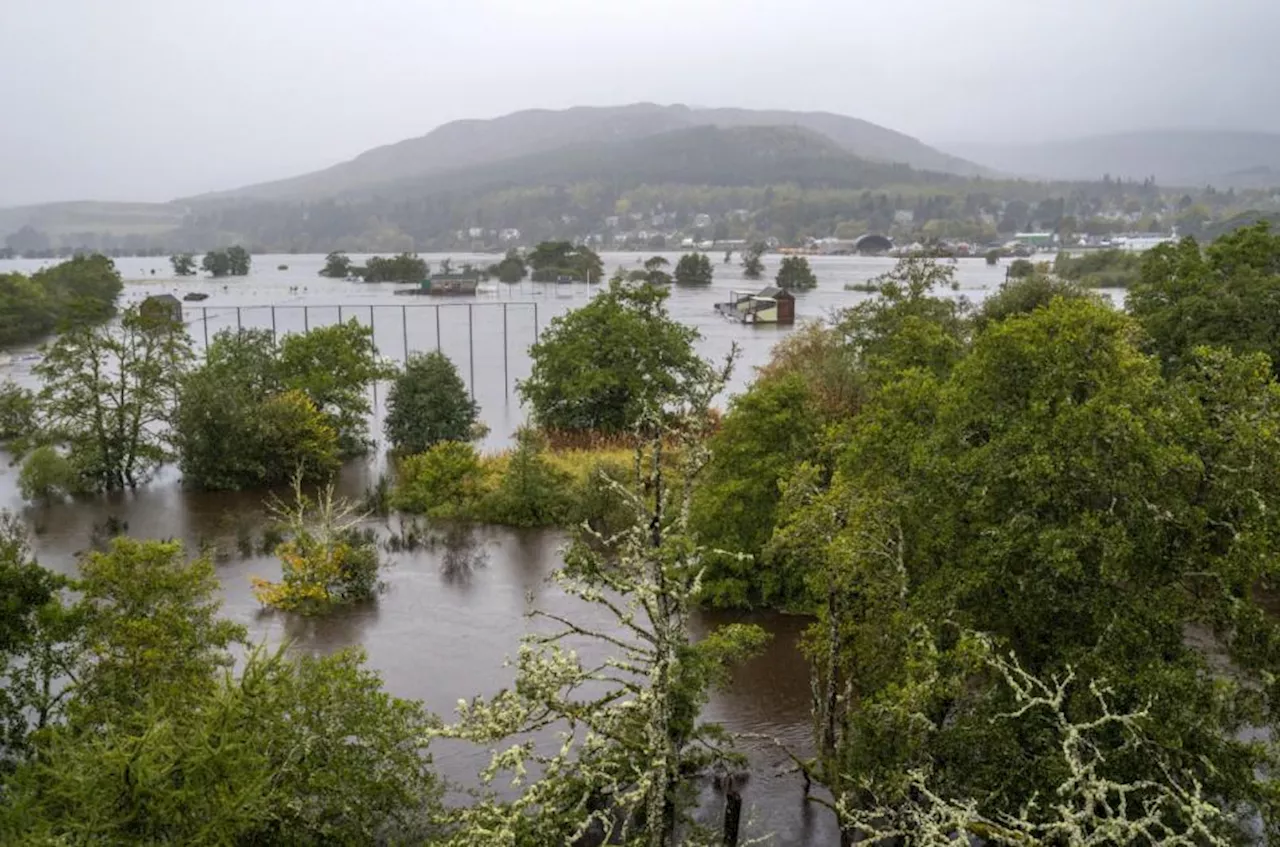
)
(752, 264)
(109, 393)
(184, 264)
(795, 274)
(694, 269)
(337, 265)
(428, 403)
(632, 738)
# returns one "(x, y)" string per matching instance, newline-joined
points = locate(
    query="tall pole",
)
(506, 379)
(437, 328)
(404, 328)
(204, 311)
(273, 322)
(471, 350)
(238, 327)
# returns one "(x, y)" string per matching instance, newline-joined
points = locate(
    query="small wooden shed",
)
(162, 305)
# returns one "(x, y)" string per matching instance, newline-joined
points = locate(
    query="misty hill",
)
(1174, 157)
(55, 219)
(469, 143)
(701, 155)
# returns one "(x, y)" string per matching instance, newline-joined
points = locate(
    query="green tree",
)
(752, 263)
(1025, 295)
(184, 264)
(1221, 296)
(109, 393)
(406, 267)
(978, 502)
(19, 414)
(550, 260)
(694, 269)
(337, 265)
(238, 260)
(79, 291)
(293, 751)
(598, 366)
(47, 476)
(795, 274)
(217, 263)
(428, 403)
(29, 599)
(512, 268)
(634, 733)
(237, 425)
(152, 631)
(335, 366)
(768, 431)
(654, 273)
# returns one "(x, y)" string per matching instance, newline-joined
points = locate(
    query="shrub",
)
(295, 437)
(428, 403)
(327, 561)
(47, 475)
(531, 491)
(1020, 268)
(444, 482)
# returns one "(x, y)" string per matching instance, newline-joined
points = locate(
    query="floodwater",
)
(451, 614)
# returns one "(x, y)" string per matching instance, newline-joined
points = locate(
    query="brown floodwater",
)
(452, 613)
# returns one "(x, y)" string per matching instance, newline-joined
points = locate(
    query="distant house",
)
(509, 235)
(904, 216)
(476, 232)
(1036, 239)
(701, 220)
(612, 221)
(160, 306)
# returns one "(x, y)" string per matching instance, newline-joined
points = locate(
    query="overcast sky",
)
(154, 99)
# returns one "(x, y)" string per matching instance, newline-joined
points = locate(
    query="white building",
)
(476, 232)
(509, 235)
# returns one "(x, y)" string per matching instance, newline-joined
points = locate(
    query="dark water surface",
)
(453, 613)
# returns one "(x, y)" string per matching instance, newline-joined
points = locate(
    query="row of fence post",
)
(404, 327)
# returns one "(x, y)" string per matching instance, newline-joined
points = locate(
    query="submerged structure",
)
(462, 282)
(767, 306)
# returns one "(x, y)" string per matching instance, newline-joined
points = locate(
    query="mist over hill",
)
(468, 143)
(1194, 158)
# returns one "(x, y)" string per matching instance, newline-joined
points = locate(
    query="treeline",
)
(81, 290)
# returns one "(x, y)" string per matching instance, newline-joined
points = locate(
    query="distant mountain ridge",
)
(699, 155)
(1186, 157)
(469, 143)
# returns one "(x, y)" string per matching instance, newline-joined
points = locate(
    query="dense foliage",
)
(1223, 295)
(598, 366)
(73, 293)
(552, 260)
(325, 561)
(108, 395)
(428, 403)
(184, 264)
(406, 267)
(1100, 268)
(255, 413)
(337, 265)
(233, 261)
(511, 269)
(1020, 482)
(794, 274)
(145, 736)
(694, 269)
